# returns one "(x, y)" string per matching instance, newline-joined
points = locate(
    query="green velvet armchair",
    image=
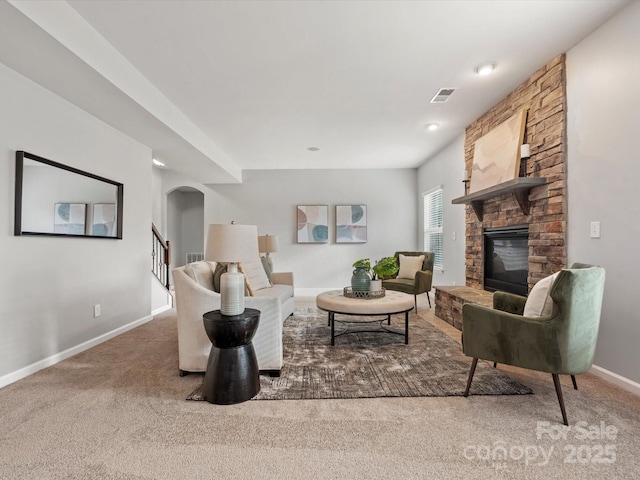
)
(415, 286)
(562, 342)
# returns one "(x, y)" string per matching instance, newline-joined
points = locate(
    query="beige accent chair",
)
(195, 295)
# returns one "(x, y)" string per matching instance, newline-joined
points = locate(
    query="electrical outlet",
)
(595, 229)
(96, 311)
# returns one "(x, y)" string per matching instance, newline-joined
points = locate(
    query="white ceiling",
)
(214, 87)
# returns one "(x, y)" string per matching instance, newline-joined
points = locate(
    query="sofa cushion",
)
(256, 276)
(202, 273)
(400, 285)
(539, 303)
(409, 266)
(282, 292)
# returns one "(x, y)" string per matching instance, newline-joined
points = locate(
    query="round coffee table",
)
(392, 303)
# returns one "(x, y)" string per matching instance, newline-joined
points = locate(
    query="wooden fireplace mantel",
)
(520, 187)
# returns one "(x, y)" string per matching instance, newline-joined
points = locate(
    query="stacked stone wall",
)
(544, 95)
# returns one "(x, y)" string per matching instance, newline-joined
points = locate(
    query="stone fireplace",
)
(544, 95)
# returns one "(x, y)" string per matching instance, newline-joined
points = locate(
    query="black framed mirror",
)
(58, 200)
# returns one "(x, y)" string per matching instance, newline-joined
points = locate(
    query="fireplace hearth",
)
(506, 259)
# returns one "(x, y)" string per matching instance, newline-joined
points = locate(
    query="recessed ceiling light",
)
(313, 149)
(485, 69)
(432, 127)
(158, 163)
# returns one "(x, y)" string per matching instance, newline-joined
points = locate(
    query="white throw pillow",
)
(256, 276)
(409, 265)
(539, 303)
(201, 272)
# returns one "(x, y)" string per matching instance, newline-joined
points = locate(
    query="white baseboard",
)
(70, 352)
(158, 311)
(618, 380)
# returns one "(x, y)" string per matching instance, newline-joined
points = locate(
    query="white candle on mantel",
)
(525, 152)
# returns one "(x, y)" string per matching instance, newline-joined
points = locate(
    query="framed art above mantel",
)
(496, 155)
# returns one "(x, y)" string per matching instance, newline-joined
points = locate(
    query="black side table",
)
(232, 374)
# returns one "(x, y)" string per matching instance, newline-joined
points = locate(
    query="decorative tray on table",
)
(350, 293)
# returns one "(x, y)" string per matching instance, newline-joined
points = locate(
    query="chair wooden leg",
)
(428, 300)
(495, 364)
(471, 372)
(556, 382)
(415, 302)
(573, 379)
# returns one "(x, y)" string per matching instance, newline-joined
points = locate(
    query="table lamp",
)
(268, 244)
(231, 243)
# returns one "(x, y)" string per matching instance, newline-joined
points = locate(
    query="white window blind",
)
(433, 226)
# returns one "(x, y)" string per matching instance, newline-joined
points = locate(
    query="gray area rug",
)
(365, 365)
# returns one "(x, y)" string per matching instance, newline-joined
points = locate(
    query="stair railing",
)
(160, 257)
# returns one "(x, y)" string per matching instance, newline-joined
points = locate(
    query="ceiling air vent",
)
(443, 95)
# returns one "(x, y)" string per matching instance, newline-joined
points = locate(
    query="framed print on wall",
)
(69, 218)
(351, 224)
(313, 223)
(104, 220)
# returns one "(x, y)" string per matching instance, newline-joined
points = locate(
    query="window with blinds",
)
(433, 226)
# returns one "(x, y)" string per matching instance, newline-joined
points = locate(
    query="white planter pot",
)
(375, 285)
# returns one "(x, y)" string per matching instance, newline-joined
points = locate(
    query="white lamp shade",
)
(232, 243)
(268, 243)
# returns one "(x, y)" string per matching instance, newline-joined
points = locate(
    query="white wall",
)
(446, 170)
(268, 199)
(48, 285)
(156, 201)
(603, 88)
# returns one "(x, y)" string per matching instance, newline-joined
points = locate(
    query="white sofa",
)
(195, 295)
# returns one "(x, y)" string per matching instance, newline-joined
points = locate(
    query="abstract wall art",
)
(69, 218)
(104, 220)
(313, 223)
(496, 155)
(351, 223)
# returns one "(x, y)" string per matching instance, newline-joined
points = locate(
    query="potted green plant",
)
(383, 268)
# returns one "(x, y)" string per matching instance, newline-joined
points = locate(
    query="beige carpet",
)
(118, 411)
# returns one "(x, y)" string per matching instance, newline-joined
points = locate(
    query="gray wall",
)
(185, 225)
(268, 199)
(603, 87)
(49, 284)
(446, 169)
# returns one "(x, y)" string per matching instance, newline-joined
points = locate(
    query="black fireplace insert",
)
(506, 259)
